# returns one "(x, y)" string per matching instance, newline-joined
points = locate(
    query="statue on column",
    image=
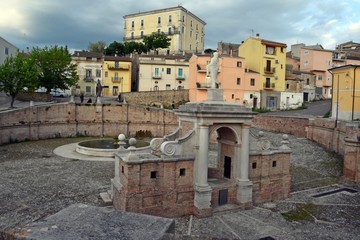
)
(212, 71)
(98, 91)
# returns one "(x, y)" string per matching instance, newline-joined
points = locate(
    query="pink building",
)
(239, 84)
(318, 61)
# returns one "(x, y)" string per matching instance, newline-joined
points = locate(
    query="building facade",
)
(163, 72)
(268, 58)
(6, 50)
(185, 29)
(239, 84)
(89, 69)
(318, 61)
(345, 102)
(116, 75)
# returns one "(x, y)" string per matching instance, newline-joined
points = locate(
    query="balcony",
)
(201, 67)
(118, 67)
(180, 77)
(269, 85)
(88, 79)
(268, 70)
(116, 79)
(156, 76)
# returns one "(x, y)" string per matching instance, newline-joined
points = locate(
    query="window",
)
(239, 64)
(197, 26)
(156, 88)
(319, 77)
(157, 72)
(168, 87)
(251, 96)
(287, 86)
(190, 33)
(196, 36)
(159, 20)
(170, 19)
(88, 73)
(232, 96)
(153, 174)
(122, 169)
(98, 73)
(132, 24)
(267, 83)
(180, 72)
(252, 82)
(306, 63)
(238, 81)
(270, 50)
(159, 31)
(6, 51)
(106, 74)
(116, 64)
(88, 89)
(190, 47)
(254, 165)
(190, 23)
(132, 35)
(307, 81)
(324, 90)
(182, 171)
(182, 30)
(142, 34)
(116, 76)
(168, 70)
(169, 30)
(142, 23)
(183, 17)
(306, 52)
(274, 163)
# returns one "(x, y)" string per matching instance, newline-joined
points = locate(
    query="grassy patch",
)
(261, 110)
(302, 212)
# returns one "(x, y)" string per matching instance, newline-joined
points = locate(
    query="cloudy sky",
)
(76, 23)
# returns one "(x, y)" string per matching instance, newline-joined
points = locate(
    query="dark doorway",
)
(306, 97)
(223, 197)
(227, 167)
(255, 102)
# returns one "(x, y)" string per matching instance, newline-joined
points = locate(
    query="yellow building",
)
(89, 69)
(345, 103)
(117, 75)
(184, 28)
(268, 58)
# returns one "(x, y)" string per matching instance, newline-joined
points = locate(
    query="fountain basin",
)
(103, 147)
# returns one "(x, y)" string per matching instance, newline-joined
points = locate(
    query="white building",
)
(6, 50)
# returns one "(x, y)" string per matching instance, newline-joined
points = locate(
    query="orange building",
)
(239, 84)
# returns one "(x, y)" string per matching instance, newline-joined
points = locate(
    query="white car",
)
(58, 93)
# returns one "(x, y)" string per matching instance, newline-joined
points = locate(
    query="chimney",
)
(257, 35)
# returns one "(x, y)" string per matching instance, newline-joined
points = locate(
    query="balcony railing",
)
(269, 85)
(88, 79)
(118, 67)
(269, 70)
(117, 79)
(156, 76)
(180, 77)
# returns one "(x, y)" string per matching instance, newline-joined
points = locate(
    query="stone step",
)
(106, 198)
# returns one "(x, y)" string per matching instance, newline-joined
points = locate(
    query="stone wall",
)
(281, 124)
(167, 97)
(157, 188)
(270, 175)
(70, 120)
(35, 96)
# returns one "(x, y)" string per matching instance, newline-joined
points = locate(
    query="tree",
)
(56, 69)
(156, 40)
(98, 47)
(18, 74)
(131, 47)
(115, 48)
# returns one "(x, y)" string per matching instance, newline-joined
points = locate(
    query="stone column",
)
(202, 200)
(244, 189)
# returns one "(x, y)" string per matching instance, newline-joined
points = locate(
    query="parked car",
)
(58, 93)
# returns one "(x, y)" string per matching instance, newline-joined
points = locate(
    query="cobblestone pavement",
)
(36, 183)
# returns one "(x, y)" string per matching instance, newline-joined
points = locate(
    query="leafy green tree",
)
(18, 74)
(56, 69)
(115, 48)
(156, 41)
(98, 47)
(131, 47)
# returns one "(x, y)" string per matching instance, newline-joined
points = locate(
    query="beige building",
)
(163, 72)
(184, 28)
(89, 69)
(6, 50)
